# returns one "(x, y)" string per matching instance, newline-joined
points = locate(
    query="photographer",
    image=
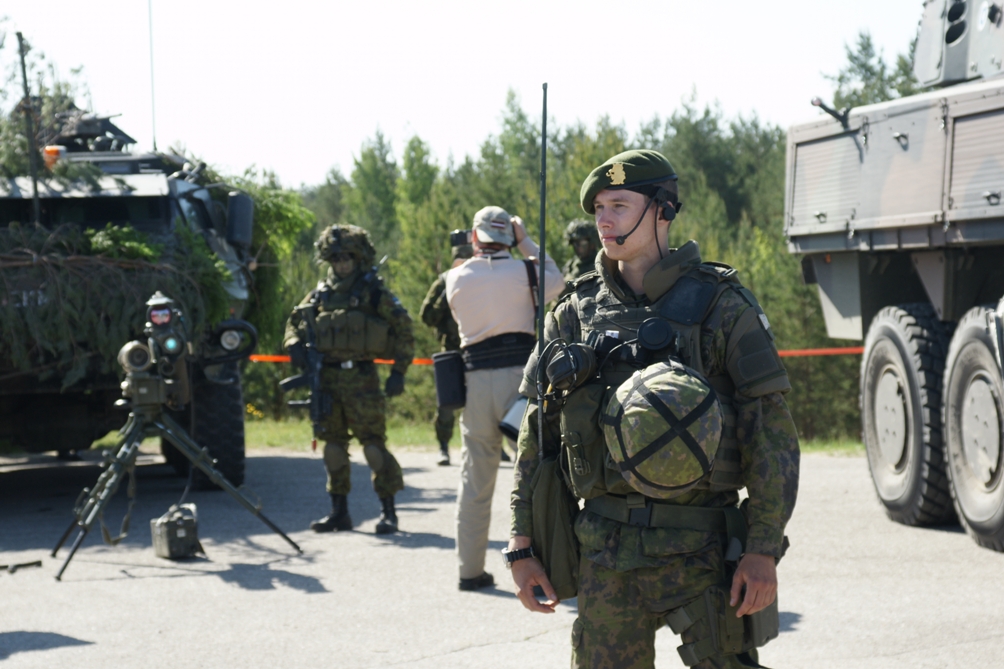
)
(492, 300)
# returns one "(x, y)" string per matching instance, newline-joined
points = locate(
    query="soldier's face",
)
(583, 248)
(343, 264)
(617, 211)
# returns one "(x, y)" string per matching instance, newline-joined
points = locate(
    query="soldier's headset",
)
(663, 200)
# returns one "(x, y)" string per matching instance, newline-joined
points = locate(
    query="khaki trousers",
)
(490, 393)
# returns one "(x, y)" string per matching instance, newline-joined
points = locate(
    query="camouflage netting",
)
(70, 298)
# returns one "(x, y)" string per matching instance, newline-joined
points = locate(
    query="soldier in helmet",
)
(581, 235)
(436, 314)
(355, 320)
(664, 397)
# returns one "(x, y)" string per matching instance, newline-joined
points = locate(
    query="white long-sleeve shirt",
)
(489, 295)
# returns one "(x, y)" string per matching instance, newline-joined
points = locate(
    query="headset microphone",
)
(620, 239)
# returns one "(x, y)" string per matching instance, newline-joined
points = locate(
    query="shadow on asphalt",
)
(21, 642)
(38, 503)
(789, 621)
(263, 577)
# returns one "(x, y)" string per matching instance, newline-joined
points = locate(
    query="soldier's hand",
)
(527, 573)
(298, 354)
(394, 385)
(518, 231)
(759, 574)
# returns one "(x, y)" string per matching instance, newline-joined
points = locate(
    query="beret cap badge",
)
(616, 174)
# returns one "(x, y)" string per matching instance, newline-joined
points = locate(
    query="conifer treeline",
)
(731, 182)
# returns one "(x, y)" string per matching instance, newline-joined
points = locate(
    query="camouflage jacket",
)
(436, 314)
(573, 268)
(767, 438)
(374, 299)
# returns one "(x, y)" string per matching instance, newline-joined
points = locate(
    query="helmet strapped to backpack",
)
(662, 428)
(352, 239)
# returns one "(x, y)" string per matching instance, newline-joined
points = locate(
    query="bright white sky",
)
(297, 86)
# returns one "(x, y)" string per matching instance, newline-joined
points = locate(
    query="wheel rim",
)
(981, 437)
(890, 418)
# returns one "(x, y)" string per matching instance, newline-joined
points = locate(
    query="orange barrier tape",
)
(799, 353)
(850, 350)
(258, 357)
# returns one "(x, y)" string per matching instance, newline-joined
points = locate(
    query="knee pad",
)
(336, 456)
(374, 457)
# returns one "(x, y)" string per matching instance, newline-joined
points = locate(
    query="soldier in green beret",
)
(355, 319)
(661, 343)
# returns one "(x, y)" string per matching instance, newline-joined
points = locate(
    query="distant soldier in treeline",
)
(581, 235)
(436, 314)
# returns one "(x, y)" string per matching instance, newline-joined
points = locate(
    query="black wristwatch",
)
(519, 554)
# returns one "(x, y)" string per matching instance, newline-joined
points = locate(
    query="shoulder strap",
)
(531, 275)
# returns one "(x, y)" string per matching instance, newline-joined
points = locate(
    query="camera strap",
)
(531, 275)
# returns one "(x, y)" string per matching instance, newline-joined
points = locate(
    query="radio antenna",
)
(153, 105)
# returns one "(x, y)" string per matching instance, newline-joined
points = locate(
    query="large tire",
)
(215, 419)
(974, 423)
(901, 372)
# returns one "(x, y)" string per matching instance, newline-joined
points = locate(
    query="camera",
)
(460, 237)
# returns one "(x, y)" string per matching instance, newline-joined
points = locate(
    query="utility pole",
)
(26, 107)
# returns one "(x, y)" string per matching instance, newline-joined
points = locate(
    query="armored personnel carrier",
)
(41, 409)
(897, 211)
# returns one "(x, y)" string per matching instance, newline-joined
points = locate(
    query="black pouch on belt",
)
(448, 370)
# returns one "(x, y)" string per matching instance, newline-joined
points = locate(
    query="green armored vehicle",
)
(60, 396)
(897, 211)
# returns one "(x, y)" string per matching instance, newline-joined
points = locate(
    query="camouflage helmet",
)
(662, 428)
(582, 229)
(463, 252)
(345, 239)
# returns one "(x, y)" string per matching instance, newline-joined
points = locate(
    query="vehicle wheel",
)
(901, 371)
(973, 413)
(215, 422)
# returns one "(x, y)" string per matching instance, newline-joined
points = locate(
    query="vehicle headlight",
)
(230, 340)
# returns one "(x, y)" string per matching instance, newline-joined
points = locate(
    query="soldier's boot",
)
(388, 519)
(336, 521)
(444, 454)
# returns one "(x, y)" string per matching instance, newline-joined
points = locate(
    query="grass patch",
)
(295, 435)
(833, 446)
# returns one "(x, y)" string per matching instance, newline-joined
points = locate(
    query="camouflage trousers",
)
(620, 611)
(445, 420)
(357, 410)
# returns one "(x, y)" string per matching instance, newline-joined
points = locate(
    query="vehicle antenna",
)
(153, 106)
(26, 107)
(543, 257)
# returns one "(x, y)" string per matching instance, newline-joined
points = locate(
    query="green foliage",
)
(69, 299)
(731, 181)
(122, 243)
(867, 78)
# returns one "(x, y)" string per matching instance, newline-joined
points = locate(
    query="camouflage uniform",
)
(357, 401)
(630, 576)
(575, 266)
(436, 314)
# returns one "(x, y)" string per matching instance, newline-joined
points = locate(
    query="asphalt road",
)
(856, 589)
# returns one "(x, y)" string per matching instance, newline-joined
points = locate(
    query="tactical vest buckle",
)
(639, 510)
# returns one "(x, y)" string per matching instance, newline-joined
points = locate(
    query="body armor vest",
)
(348, 324)
(602, 317)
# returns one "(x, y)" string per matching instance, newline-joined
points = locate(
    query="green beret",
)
(628, 170)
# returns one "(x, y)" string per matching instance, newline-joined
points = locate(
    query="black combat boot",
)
(388, 519)
(338, 520)
(444, 453)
